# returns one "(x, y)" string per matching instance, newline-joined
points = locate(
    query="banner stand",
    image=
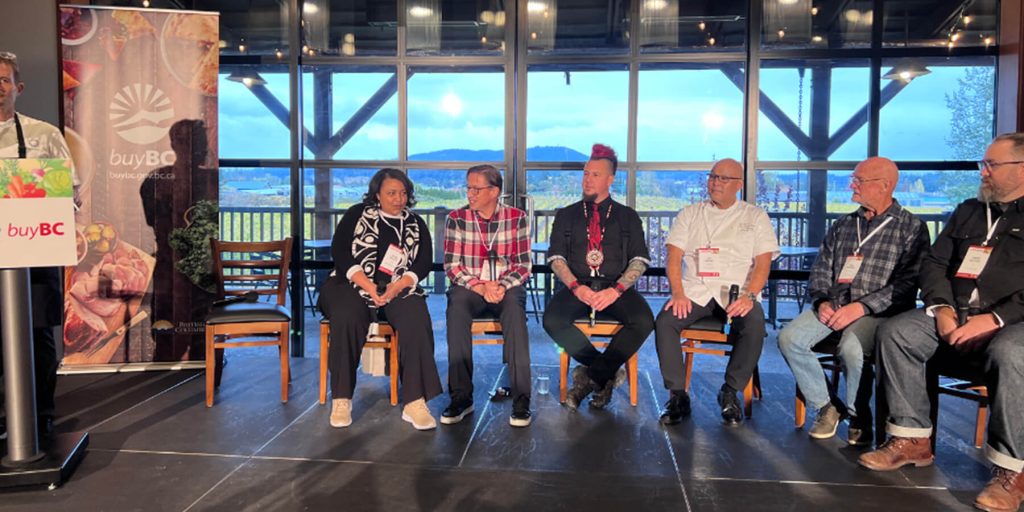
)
(24, 461)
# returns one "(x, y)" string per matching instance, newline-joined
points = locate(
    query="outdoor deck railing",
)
(259, 223)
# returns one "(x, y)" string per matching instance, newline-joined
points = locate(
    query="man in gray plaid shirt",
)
(866, 271)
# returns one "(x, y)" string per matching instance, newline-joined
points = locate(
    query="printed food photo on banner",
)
(140, 102)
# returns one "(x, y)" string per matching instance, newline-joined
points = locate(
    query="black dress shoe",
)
(456, 411)
(520, 412)
(732, 413)
(581, 387)
(602, 396)
(677, 408)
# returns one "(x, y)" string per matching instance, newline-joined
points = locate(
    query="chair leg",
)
(563, 372)
(394, 368)
(687, 365)
(757, 384)
(982, 422)
(632, 368)
(980, 425)
(210, 364)
(325, 333)
(800, 411)
(283, 348)
(748, 398)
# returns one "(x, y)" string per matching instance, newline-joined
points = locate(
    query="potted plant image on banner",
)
(140, 102)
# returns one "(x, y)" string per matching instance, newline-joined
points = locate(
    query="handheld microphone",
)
(734, 294)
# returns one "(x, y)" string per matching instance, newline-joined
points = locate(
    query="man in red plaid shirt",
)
(487, 258)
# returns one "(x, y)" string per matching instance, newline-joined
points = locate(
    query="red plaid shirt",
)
(465, 253)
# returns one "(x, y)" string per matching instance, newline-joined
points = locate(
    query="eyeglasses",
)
(989, 164)
(724, 179)
(477, 190)
(860, 181)
(8, 56)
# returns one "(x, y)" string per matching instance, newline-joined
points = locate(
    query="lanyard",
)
(860, 243)
(710, 234)
(22, 150)
(991, 226)
(483, 236)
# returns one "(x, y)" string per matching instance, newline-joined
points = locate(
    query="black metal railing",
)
(261, 223)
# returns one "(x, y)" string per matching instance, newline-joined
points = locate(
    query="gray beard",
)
(589, 198)
(986, 194)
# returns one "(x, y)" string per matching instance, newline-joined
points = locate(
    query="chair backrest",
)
(260, 267)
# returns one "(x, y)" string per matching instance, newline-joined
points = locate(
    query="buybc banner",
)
(140, 111)
(36, 205)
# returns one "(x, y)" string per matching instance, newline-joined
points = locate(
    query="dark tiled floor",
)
(156, 447)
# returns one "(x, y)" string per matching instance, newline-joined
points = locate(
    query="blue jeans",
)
(909, 341)
(858, 339)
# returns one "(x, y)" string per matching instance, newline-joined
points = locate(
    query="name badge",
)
(393, 259)
(974, 262)
(709, 262)
(850, 268)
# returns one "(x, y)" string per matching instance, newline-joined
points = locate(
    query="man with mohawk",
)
(598, 251)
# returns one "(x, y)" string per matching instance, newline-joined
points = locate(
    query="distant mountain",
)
(461, 155)
(536, 154)
(554, 154)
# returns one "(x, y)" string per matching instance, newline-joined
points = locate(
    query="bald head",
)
(873, 183)
(728, 167)
(724, 181)
(881, 167)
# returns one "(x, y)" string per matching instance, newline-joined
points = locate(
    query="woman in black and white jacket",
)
(381, 250)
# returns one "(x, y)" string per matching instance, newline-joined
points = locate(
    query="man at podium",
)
(24, 137)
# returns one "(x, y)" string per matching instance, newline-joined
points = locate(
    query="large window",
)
(672, 85)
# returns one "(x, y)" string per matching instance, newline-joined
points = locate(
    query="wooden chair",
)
(828, 356)
(604, 327)
(961, 380)
(266, 275)
(708, 330)
(390, 342)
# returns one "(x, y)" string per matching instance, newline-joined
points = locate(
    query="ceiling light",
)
(907, 71)
(247, 78)
(418, 11)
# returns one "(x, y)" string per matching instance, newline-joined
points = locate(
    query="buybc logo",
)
(31, 232)
(140, 113)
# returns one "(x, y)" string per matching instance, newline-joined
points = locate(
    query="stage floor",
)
(155, 446)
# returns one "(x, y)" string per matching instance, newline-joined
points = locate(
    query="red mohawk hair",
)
(602, 152)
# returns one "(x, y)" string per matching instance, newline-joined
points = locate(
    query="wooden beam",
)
(772, 111)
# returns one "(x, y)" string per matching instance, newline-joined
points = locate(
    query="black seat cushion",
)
(247, 312)
(708, 323)
(487, 316)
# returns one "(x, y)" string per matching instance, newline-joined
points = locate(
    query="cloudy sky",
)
(685, 115)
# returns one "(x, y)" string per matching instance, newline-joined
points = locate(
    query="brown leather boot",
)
(1003, 493)
(898, 452)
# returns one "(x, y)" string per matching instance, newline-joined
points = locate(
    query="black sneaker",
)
(456, 411)
(581, 387)
(602, 396)
(732, 413)
(520, 412)
(677, 408)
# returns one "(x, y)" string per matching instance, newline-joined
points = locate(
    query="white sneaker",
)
(341, 412)
(417, 413)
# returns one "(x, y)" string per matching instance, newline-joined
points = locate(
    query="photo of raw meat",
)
(101, 300)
